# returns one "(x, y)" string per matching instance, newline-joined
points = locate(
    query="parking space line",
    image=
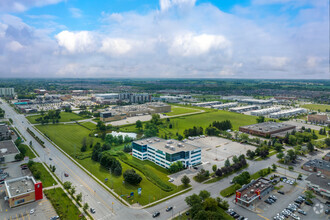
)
(263, 217)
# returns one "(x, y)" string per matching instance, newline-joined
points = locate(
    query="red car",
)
(66, 175)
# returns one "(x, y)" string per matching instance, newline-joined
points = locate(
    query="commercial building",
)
(327, 157)
(265, 111)
(8, 151)
(288, 113)
(266, 129)
(257, 102)
(22, 190)
(251, 193)
(318, 119)
(4, 132)
(135, 97)
(225, 105)
(107, 96)
(160, 107)
(317, 165)
(244, 108)
(165, 152)
(111, 116)
(319, 185)
(205, 104)
(7, 92)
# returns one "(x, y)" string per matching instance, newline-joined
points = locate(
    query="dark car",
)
(196, 168)
(327, 211)
(156, 214)
(308, 203)
(92, 210)
(187, 213)
(169, 209)
(298, 201)
(66, 175)
(232, 213)
(280, 192)
(236, 215)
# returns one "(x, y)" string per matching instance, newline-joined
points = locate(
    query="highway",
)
(99, 198)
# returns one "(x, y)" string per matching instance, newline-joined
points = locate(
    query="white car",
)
(31, 211)
(171, 180)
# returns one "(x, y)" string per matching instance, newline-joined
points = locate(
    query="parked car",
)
(327, 211)
(171, 180)
(156, 214)
(31, 211)
(281, 192)
(169, 209)
(66, 174)
(302, 212)
(92, 210)
(196, 168)
(308, 203)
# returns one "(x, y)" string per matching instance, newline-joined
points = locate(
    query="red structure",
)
(38, 191)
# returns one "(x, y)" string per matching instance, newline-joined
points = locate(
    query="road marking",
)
(263, 217)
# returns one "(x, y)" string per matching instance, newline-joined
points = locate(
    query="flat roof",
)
(169, 146)
(3, 128)
(268, 126)
(8, 147)
(321, 164)
(19, 186)
(243, 107)
(318, 180)
(248, 192)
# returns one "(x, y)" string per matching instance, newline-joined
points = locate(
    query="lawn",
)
(317, 107)
(89, 125)
(178, 110)
(181, 123)
(29, 152)
(65, 117)
(63, 204)
(69, 138)
(46, 179)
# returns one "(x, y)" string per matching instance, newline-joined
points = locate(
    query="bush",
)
(131, 177)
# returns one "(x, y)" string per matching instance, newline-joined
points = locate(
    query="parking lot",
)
(42, 209)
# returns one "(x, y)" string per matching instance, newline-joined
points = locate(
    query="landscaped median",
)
(40, 173)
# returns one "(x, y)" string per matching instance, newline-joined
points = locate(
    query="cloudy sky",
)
(165, 38)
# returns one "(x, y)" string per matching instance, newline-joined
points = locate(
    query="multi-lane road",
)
(105, 204)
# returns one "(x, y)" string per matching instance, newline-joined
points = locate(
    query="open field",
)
(29, 152)
(62, 204)
(178, 110)
(69, 138)
(65, 117)
(89, 125)
(46, 179)
(317, 107)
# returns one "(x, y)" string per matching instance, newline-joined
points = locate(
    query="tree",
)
(261, 119)
(67, 185)
(210, 204)
(193, 200)
(235, 159)
(185, 180)
(327, 142)
(131, 177)
(309, 194)
(310, 147)
(79, 197)
(214, 167)
(227, 163)
(138, 124)
(244, 137)
(242, 179)
(250, 154)
(280, 155)
(85, 206)
(117, 170)
(203, 194)
(218, 172)
(180, 137)
(274, 166)
(73, 190)
(19, 157)
(292, 155)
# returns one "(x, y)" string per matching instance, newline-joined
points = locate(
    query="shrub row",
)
(36, 137)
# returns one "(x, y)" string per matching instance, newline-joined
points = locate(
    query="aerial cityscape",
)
(164, 109)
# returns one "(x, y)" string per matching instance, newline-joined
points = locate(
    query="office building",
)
(165, 152)
(266, 129)
(319, 184)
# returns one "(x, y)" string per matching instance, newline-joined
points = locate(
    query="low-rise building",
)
(317, 165)
(205, 104)
(165, 152)
(111, 116)
(251, 193)
(22, 190)
(288, 113)
(327, 157)
(266, 129)
(8, 151)
(241, 109)
(262, 102)
(160, 107)
(225, 105)
(318, 119)
(319, 184)
(4, 132)
(265, 111)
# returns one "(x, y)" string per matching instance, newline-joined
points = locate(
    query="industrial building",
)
(22, 190)
(8, 151)
(317, 165)
(135, 97)
(243, 108)
(257, 102)
(205, 104)
(251, 193)
(266, 129)
(165, 152)
(318, 119)
(111, 116)
(159, 107)
(225, 105)
(4, 132)
(319, 185)
(7, 92)
(288, 113)
(265, 111)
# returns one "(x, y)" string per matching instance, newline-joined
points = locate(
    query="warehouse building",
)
(22, 190)
(251, 193)
(8, 151)
(165, 152)
(243, 108)
(266, 129)
(319, 185)
(205, 104)
(160, 107)
(318, 119)
(265, 111)
(111, 116)
(317, 165)
(4, 132)
(225, 105)
(257, 102)
(288, 113)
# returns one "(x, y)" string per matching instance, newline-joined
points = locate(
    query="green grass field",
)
(46, 179)
(317, 107)
(177, 110)
(65, 117)
(89, 125)
(29, 152)
(69, 138)
(62, 203)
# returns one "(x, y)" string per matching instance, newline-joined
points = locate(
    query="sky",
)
(268, 39)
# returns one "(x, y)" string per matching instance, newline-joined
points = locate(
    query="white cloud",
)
(115, 46)
(167, 4)
(76, 42)
(75, 12)
(23, 5)
(14, 46)
(275, 62)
